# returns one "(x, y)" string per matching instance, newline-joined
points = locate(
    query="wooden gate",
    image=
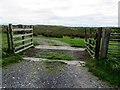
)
(97, 41)
(19, 38)
(92, 41)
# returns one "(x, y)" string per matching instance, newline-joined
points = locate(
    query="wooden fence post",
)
(31, 35)
(105, 43)
(8, 39)
(11, 37)
(98, 42)
(90, 36)
(85, 35)
(23, 37)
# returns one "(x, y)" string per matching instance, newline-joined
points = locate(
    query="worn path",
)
(42, 73)
(59, 48)
(50, 42)
(38, 74)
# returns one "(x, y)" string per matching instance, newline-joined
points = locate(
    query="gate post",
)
(8, 39)
(105, 43)
(31, 35)
(90, 36)
(85, 35)
(10, 35)
(98, 42)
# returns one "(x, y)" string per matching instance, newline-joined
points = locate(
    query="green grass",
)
(7, 56)
(74, 42)
(53, 55)
(40, 36)
(35, 43)
(114, 54)
(4, 40)
(11, 59)
(107, 70)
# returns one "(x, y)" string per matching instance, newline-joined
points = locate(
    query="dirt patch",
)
(78, 55)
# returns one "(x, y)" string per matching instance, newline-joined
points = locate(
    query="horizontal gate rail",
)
(23, 45)
(23, 49)
(29, 29)
(117, 53)
(92, 55)
(114, 45)
(114, 39)
(115, 33)
(15, 42)
(114, 49)
(16, 36)
(90, 50)
(93, 46)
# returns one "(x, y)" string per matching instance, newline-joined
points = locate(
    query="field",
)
(106, 69)
(74, 42)
(9, 58)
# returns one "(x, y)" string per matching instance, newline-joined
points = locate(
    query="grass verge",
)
(10, 60)
(107, 70)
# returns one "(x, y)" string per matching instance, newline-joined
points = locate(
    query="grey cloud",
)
(12, 13)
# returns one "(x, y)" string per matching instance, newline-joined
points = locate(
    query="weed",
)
(12, 59)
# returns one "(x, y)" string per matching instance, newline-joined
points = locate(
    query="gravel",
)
(39, 74)
(32, 74)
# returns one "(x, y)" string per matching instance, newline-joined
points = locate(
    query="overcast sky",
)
(60, 12)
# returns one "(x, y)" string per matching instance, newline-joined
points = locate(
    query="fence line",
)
(99, 42)
(114, 45)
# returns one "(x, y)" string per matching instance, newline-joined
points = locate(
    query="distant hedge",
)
(58, 31)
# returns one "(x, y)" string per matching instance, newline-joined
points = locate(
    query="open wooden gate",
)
(20, 38)
(97, 41)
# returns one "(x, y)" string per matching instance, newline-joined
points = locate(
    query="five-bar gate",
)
(19, 38)
(97, 41)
